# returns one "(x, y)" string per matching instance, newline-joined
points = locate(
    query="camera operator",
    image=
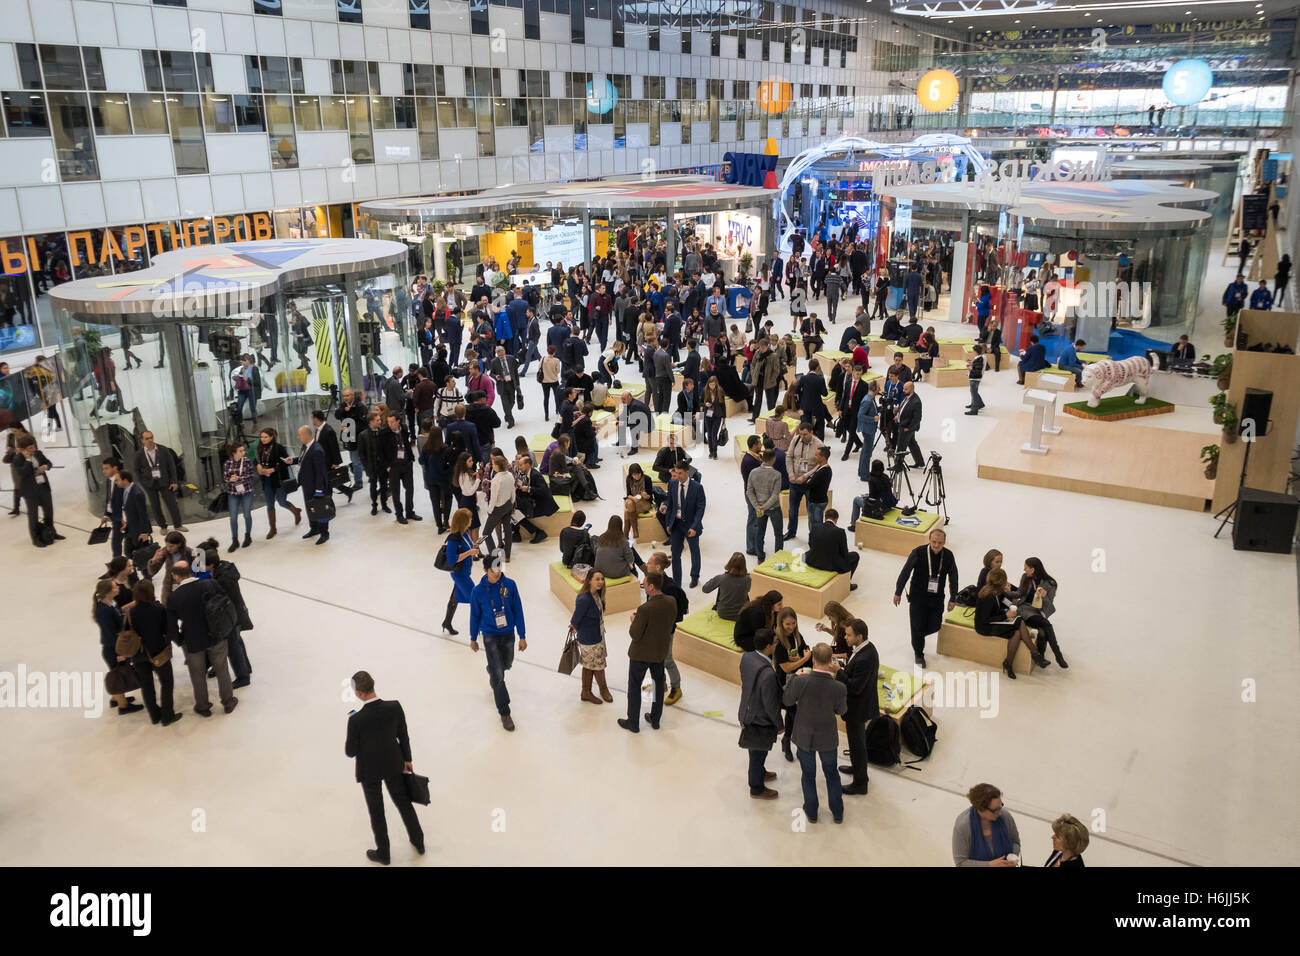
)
(908, 416)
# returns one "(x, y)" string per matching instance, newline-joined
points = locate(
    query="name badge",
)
(40, 479)
(934, 586)
(501, 619)
(156, 472)
(401, 454)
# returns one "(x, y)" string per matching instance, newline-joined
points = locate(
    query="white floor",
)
(1145, 734)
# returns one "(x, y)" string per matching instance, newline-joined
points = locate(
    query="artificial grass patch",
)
(1118, 407)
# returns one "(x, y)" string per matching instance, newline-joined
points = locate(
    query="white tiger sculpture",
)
(1100, 377)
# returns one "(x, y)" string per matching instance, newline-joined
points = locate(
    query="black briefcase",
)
(417, 788)
(320, 509)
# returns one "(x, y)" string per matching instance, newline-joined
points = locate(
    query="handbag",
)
(519, 398)
(320, 509)
(417, 788)
(723, 437)
(121, 679)
(289, 485)
(128, 641)
(569, 657)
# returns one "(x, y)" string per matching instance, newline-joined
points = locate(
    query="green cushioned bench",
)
(554, 524)
(951, 374)
(806, 590)
(621, 594)
(957, 638)
(706, 641)
(886, 534)
(897, 689)
(614, 397)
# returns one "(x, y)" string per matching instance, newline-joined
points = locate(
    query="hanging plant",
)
(1229, 330)
(1229, 423)
(1221, 368)
(1210, 455)
(1218, 403)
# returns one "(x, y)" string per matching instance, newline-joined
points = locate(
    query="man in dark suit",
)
(504, 370)
(691, 364)
(651, 636)
(860, 676)
(760, 711)
(399, 455)
(828, 548)
(31, 468)
(157, 474)
(1032, 359)
(188, 625)
(636, 420)
(907, 417)
(688, 407)
(135, 511)
(816, 698)
(683, 516)
(927, 567)
(328, 439)
(812, 392)
(377, 739)
(112, 503)
(313, 479)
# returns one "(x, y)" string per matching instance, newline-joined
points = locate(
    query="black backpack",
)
(584, 552)
(918, 731)
(967, 596)
(883, 745)
(221, 614)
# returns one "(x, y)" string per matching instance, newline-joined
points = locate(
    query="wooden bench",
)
(692, 648)
(1031, 378)
(804, 598)
(554, 524)
(951, 348)
(952, 375)
(968, 354)
(605, 423)
(663, 426)
(803, 504)
(614, 398)
(621, 594)
(737, 408)
(957, 638)
(647, 471)
(887, 535)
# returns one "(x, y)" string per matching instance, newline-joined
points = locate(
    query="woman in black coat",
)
(148, 619)
(273, 473)
(994, 619)
(226, 574)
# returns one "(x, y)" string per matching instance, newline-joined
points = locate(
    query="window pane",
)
(349, 11)
(427, 111)
(29, 68)
(187, 134)
(424, 82)
(306, 113)
(404, 112)
(178, 72)
(280, 132)
(268, 7)
(25, 114)
(111, 114)
(248, 114)
(152, 72)
(94, 68)
(381, 112)
(70, 121)
(363, 150)
(62, 67)
(419, 10)
(148, 113)
(333, 113)
(219, 112)
(295, 75)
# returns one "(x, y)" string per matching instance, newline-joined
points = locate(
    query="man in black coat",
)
(313, 479)
(861, 675)
(31, 468)
(907, 416)
(328, 439)
(927, 567)
(135, 512)
(187, 621)
(397, 453)
(812, 392)
(483, 417)
(635, 420)
(828, 548)
(504, 370)
(377, 739)
(112, 503)
(156, 472)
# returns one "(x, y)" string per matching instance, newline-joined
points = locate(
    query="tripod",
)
(932, 489)
(1229, 511)
(899, 477)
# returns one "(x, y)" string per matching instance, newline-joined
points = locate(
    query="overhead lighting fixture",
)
(987, 8)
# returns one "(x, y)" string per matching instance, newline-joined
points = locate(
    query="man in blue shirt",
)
(912, 287)
(1261, 298)
(496, 612)
(1234, 297)
(1032, 359)
(1069, 361)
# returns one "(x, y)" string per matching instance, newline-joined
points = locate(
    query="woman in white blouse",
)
(501, 504)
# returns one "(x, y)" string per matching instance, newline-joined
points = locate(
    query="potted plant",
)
(1230, 422)
(746, 263)
(1210, 455)
(438, 287)
(501, 281)
(1221, 368)
(1218, 403)
(1229, 330)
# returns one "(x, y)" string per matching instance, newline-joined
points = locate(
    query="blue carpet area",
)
(1124, 343)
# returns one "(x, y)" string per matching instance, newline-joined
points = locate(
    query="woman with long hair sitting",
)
(994, 618)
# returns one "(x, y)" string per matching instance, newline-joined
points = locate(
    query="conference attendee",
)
(147, 619)
(879, 490)
(815, 699)
(327, 438)
(763, 493)
(372, 449)
(1234, 297)
(635, 420)
(765, 378)
(1032, 359)
(913, 285)
(1037, 593)
(811, 390)
(995, 618)
(273, 471)
(760, 711)
(399, 455)
(688, 409)
(1261, 298)
(860, 676)
(816, 485)
(757, 613)
(791, 654)
(659, 562)
(156, 473)
(587, 625)
(504, 369)
(907, 419)
(187, 612)
(461, 434)
(651, 634)
(1280, 279)
(992, 560)
(483, 417)
(238, 474)
(732, 586)
(108, 618)
(460, 554)
(500, 506)
(682, 514)
(828, 548)
(800, 459)
(496, 613)
(1183, 351)
(435, 460)
(31, 470)
(669, 457)
(974, 374)
(226, 574)
(924, 573)
(1069, 839)
(352, 408)
(112, 516)
(378, 741)
(985, 834)
(313, 480)
(868, 423)
(614, 555)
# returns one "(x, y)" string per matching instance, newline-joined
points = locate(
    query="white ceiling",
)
(1083, 13)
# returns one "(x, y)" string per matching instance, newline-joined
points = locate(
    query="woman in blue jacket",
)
(983, 305)
(461, 552)
(588, 624)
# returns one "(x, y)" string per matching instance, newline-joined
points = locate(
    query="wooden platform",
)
(951, 348)
(1150, 407)
(1159, 466)
(950, 376)
(736, 408)
(956, 640)
(624, 596)
(896, 540)
(554, 524)
(1031, 378)
(803, 504)
(650, 530)
(801, 597)
(705, 655)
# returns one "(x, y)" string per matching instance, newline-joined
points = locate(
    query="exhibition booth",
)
(316, 315)
(569, 223)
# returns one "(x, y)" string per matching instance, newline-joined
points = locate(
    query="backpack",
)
(883, 746)
(584, 552)
(584, 488)
(918, 731)
(875, 509)
(967, 596)
(220, 613)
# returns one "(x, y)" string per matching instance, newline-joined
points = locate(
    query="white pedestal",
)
(1054, 384)
(1039, 401)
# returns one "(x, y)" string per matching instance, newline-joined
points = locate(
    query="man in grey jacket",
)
(816, 699)
(662, 383)
(760, 711)
(763, 492)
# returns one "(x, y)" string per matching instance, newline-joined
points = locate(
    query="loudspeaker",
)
(1265, 521)
(1256, 404)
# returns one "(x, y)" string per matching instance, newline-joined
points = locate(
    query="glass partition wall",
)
(174, 377)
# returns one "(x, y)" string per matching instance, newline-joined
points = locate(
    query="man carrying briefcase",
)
(377, 739)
